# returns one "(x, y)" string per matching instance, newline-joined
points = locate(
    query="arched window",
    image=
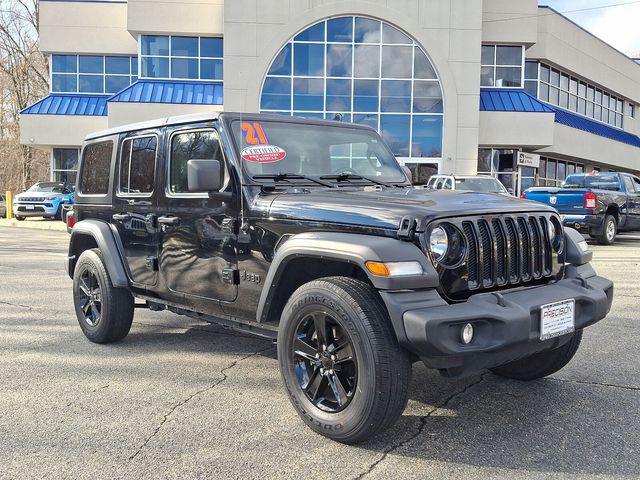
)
(366, 70)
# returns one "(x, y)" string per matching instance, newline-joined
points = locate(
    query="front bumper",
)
(506, 324)
(39, 210)
(584, 223)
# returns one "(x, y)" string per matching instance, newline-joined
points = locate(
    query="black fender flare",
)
(355, 249)
(103, 236)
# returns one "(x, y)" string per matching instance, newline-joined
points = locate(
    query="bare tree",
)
(23, 80)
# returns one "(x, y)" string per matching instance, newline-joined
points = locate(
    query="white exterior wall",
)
(176, 17)
(47, 131)
(509, 21)
(122, 113)
(449, 31)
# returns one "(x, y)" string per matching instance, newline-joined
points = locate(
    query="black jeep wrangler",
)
(310, 233)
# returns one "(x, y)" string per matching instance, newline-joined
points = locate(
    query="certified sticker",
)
(263, 153)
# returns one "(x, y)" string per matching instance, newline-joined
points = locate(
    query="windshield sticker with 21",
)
(259, 149)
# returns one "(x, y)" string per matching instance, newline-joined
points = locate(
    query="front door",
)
(632, 185)
(134, 214)
(198, 240)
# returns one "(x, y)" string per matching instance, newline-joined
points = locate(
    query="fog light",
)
(467, 334)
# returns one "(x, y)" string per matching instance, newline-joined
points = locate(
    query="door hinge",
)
(407, 227)
(152, 263)
(230, 276)
(228, 225)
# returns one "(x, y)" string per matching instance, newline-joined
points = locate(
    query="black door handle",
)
(173, 221)
(121, 217)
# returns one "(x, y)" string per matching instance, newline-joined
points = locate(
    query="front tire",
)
(541, 364)
(346, 374)
(105, 313)
(609, 231)
(19, 218)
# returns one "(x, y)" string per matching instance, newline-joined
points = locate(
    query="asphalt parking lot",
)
(179, 398)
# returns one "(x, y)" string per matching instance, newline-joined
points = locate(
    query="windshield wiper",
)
(280, 177)
(355, 176)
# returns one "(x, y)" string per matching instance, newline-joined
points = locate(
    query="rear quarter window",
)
(95, 168)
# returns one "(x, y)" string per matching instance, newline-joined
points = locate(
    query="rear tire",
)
(609, 231)
(20, 219)
(104, 312)
(358, 385)
(541, 364)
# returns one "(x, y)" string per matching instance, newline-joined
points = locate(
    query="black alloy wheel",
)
(325, 362)
(90, 298)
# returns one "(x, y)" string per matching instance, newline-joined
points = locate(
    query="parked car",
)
(467, 183)
(308, 232)
(43, 199)
(599, 204)
(3, 205)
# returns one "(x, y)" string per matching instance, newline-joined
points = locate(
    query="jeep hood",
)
(385, 208)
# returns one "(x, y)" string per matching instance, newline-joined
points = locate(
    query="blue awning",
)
(517, 100)
(171, 91)
(69, 104)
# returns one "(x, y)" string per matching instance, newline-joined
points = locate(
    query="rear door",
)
(135, 205)
(198, 234)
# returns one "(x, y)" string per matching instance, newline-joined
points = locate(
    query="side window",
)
(95, 169)
(447, 184)
(628, 184)
(637, 184)
(194, 145)
(138, 165)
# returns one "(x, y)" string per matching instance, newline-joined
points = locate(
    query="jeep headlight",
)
(447, 245)
(556, 234)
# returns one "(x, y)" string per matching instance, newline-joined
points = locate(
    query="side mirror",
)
(408, 173)
(204, 175)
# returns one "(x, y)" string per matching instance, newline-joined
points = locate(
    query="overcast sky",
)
(617, 25)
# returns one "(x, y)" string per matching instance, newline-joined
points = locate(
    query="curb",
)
(35, 225)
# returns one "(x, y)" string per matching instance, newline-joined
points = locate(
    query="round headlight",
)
(556, 234)
(438, 243)
(551, 229)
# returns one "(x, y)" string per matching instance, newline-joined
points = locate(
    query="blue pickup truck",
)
(600, 204)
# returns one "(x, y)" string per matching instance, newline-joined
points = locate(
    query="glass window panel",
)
(202, 145)
(337, 116)
(551, 168)
(508, 55)
(573, 86)
(573, 103)
(613, 102)
(96, 164)
(582, 89)
(484, 160)
(544, 73)
(64, 63)
(554, 77)
(276, 94)
(339, 95)
(91, 64)
(597, 112)
(137, 165)
(155, 45)
(339, 60)
(211, 69)
(370, 119)
(184, 46)
(184, 68)
(134, 79)
(319, 116)
(604, 115)
(531, 70)
(423, 68)
(396, 61)
(544, 92)
(554, 95)
(367, 30)
(579, 168)
(395, 132)
(367, 61)
(564, 99)
(314, 33)
(605, 99)
(564, 82)
(134, 65)
(91, 84)
(582, 106)
(590, 93)
(562, 170)
(340, 29)
(531, 87)
(65, 158)
(282, 63)
(117, 65)
(619, 120)
(619, 106)
(365, 95)
(571, 168)
(598, 98)
(115, 83)
(155, 67)
(488, 55)
(308, 94)
(589, 109)
(486, 76)
(393, 35)
(508, 77)
(308, 59)
(396, 96)
(65, 177)
(427, 136)
(211, 47)
(427, 97)
(64, 82)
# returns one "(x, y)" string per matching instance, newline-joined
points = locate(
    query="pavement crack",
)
(183, 402)
(20, 305)
(421, 426)
(596, 384)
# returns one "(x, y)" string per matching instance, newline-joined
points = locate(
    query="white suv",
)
(468, 183)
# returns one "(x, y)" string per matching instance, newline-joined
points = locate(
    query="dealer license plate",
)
(557, 319)
(30, 207)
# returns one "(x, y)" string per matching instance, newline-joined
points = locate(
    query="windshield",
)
(274, 148)
(482, 185)
(601, 181)
(48, 187)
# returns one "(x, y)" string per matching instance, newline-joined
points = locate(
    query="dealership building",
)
(503, 87)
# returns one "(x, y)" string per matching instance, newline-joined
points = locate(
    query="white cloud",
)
(619, 26)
